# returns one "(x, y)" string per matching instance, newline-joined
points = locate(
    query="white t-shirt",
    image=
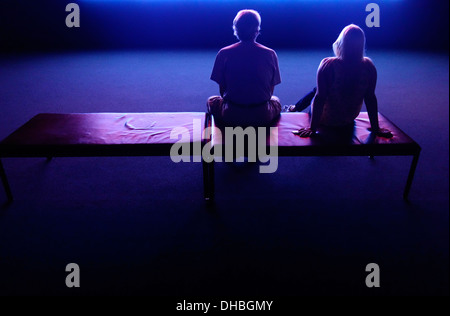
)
(247, 71)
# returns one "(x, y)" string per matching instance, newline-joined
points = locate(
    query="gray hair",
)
(246, 25)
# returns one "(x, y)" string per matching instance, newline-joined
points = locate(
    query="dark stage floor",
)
(140, 225)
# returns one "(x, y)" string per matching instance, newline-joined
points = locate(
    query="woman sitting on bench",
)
(343, 83)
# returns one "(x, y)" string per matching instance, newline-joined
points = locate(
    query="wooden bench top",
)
(148, 134)
(335, 141)
(100, 134)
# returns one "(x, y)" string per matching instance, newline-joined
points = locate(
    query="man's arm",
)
(217, 74)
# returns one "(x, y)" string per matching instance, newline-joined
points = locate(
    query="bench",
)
(98, 135)
(149, 134)
(329, 142)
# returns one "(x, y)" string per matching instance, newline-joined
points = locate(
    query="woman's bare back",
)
(345, 85)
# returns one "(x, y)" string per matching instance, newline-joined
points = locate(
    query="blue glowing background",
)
(200, 24)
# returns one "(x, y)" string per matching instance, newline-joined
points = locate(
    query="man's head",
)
(246, 25)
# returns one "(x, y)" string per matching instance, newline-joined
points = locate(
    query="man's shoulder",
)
(264, 48)
(229, 48)
(237, 46)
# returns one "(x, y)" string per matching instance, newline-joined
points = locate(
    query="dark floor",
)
(140, 225)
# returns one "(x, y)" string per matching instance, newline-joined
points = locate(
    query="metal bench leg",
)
(412, 171)
(208, 180)
(5, 183)
(212, 189)
(205, 180)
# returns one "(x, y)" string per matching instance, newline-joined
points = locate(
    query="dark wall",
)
(27, 25)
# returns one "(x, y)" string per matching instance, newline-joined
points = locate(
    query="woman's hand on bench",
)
(304, 132)
(382, 132)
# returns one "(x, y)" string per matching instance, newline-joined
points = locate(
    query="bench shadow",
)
(335, 136)
(5, 206)
(211, 206)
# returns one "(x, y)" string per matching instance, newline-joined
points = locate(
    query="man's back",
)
(247, 71)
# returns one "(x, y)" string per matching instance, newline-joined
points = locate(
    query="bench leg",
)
(412, 171)
(205, 180)
(5, 183)
(211, 181)
(208, 180)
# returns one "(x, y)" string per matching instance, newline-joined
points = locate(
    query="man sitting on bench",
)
(247, 73)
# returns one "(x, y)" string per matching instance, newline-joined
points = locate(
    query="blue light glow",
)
(225, 1)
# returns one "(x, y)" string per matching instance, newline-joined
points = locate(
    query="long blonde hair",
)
(350, 45)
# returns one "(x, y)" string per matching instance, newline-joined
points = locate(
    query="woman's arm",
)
(319, 100)
(372, 103)
(370, 98)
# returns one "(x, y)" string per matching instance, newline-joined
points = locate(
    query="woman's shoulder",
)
(327, 63)
(368, 62)
(369, 65)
